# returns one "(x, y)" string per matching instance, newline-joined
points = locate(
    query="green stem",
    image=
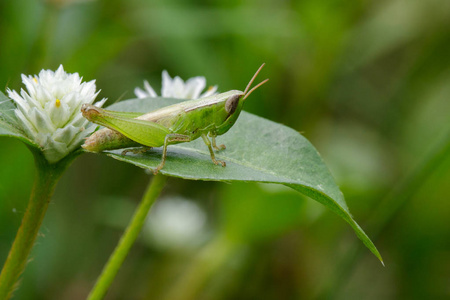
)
(128, 238)
(47, 175)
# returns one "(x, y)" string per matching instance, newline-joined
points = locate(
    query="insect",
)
(178, 123)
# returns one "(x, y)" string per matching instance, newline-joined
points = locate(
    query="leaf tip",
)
(374, 250)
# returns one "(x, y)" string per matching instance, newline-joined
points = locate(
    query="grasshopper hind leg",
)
(139, 150)
(211, 151)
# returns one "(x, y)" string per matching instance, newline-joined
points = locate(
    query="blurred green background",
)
(367, 82)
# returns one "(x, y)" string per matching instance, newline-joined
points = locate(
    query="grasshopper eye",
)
(231, 104)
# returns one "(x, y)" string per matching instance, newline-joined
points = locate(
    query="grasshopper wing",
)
(144, 132)
(124, 114)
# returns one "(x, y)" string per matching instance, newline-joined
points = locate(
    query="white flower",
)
(177, 88)
(49, 111)
(175, 223)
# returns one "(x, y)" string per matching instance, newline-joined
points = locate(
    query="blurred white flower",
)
(49, 111)
(175, 223)
(177, 88)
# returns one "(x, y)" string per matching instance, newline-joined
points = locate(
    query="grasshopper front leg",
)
(170, 138)
(211, 151)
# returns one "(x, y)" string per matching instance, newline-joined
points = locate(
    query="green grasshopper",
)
(178, 123)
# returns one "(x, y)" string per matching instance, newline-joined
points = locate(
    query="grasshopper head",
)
(90, 111)
(232, 103)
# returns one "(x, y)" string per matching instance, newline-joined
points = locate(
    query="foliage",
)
(365, 81)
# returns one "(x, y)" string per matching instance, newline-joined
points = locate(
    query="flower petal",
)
(151, 92)
(53, 150)
(194, 86)
(166, 88)
(178, 90)
(65, 135)
(209, 92)
(58, 111)
(31, 83)
(20, 102)
(41, 121)
(140, 93)
(27, 126)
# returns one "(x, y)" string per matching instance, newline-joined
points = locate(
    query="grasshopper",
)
(178, 123)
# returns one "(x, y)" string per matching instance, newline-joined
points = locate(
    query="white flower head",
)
(49, 111)
(177, 88)
(175, 223)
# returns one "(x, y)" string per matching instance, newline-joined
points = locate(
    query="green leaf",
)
(258, 150)
(8, 121)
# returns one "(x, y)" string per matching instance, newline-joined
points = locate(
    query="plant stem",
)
(47, 175)
(128, 238)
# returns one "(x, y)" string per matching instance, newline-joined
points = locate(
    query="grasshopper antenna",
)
(255, 87)
(253, 78)
(119, 98)
(7, 83)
